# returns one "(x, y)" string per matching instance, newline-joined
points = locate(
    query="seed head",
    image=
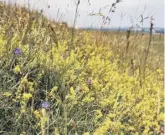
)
(117, 1)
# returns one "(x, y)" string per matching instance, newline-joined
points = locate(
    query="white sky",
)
(131, 9)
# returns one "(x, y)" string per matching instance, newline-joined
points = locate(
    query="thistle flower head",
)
(17, 51)
(46, 105)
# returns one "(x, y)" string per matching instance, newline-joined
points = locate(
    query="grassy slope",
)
(91, 84)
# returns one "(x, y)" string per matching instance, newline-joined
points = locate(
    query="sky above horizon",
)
(127, 12)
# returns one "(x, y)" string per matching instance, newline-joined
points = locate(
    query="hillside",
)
(58, 80)
(124, 29)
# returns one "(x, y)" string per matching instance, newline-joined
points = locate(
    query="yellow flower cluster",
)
(17, 69)
(37, 114)
(103, 128)
(27, 96)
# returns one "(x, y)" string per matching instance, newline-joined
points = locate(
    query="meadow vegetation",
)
(96, 84)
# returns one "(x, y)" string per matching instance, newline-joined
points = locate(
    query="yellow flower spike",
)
(37, 114)
(72, 92)
(31, 86)
(27, 96)
(53, 90)
(7, 94)
(43, 110)
(17, 69)
(44, 119)
(98, 114)
(24, 80)
(103, 127)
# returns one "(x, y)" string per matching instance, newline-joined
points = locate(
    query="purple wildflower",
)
(17, 51)
(89, 82)
(45, 105)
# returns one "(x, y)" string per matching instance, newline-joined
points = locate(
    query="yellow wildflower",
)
(103, 127)
(37, 114)
(86, 133)
(27, 96)
(17, 69)
(7, 94)
(98, 114)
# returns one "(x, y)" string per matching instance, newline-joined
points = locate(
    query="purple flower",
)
(17, 51)
(45, 105)
(89, 82)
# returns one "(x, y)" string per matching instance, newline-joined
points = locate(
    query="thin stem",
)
(74, 24)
